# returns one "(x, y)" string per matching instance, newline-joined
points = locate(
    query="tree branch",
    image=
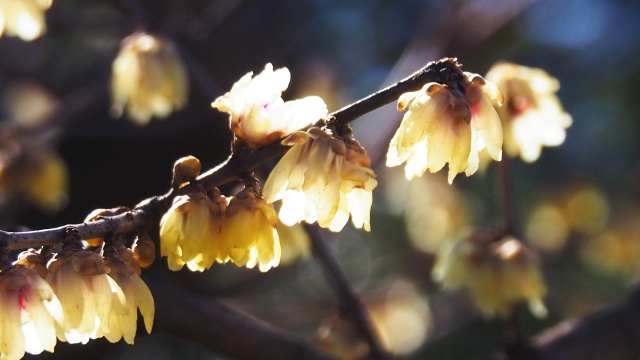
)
(351, 304)
(151, 209)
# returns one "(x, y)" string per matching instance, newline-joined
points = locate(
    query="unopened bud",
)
(144, 250)
(185, 169)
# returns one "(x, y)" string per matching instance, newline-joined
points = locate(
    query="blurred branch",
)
(351, 304)
(223, 329)
(611, 333)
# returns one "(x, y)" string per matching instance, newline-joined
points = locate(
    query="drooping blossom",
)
(149, 78)
(30, 313)
(87, 294)
(126, 273)
(533, 116)
(323, 178)
(258, 114)
(190, 232)
(249, 235)
(498, 273)
(445, 125)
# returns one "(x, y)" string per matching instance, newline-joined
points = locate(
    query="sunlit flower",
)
(137, 296)
(323, 178)
(87, 294)
(499, 273)
(30, 312)
(249, 232)
(258, 115)
(444, 125)
(23, 18)
(149, 79)
(533, 116)
(190, 232)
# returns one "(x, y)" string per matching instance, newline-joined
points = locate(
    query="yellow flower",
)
(258, 115)
(323, 178)
(190, 232)
(444, 125)
(149, 79)
(249, 233)
(23, 18)
(87, 294)
(499, 273)
(533, 116)
(137, 296)
(30, 313)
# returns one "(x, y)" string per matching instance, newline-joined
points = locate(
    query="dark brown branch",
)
(441, 71)
(612, 333)
(351, 304)
(223, 329)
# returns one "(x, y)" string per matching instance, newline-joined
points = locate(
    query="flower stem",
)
(350, 301)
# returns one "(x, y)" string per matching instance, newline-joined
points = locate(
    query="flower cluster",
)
(532, 116)
(323, 178)
(149, 79)
(447, 125)
(259, 115)
(76, 296)
(498, 272)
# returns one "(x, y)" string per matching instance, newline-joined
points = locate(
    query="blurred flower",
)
(294, 243)
(249, 233)
(403, 307)
(616, 250)
(149, 78)
(89, 297)
(32, 170)
(190, 232)
(533, 116)
(445, 125)
(547, 227)
(23, 18)
(340, 338)
(587, 209)
(28, 103)
(499, 273)
(137, 296)
(258, 115)
(323, 178)
(30, 313)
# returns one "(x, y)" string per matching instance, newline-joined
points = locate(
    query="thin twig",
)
(350, 301)
(506, 189)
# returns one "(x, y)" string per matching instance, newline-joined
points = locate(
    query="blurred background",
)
(578, 205)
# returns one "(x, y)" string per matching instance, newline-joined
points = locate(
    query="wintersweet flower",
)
(87, 294)
(445, 125)
(323, 178)
(499, 273)
(149, 78)
(137, 296)
(30, 312)
(24, 18)
(258, 115)
(190, 232)
(533, 116)
(249, 233)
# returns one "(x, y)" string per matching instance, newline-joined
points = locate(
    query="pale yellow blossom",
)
(190, 232)
(323, 178)
(259, 115)
(30, 313)
(87, 294)
(149, 78)
(444, 125)
(23, 18)
(498, 272)
(137, 296)
(249, 232)
(533, 116)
